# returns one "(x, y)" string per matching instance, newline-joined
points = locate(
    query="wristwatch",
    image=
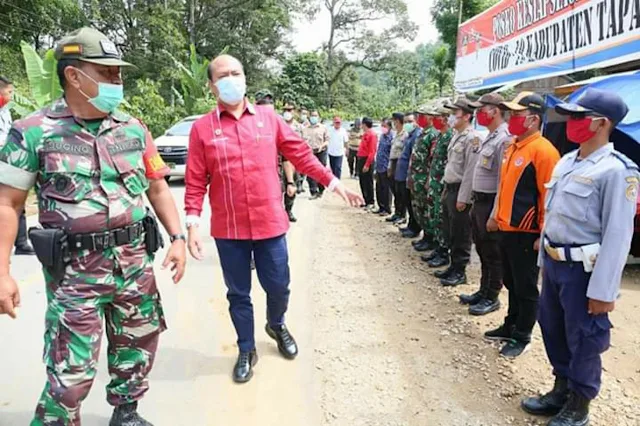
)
(291, 183)
(173, 238)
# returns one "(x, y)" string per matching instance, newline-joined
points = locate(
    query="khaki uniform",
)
(318, 139)
(462, 156)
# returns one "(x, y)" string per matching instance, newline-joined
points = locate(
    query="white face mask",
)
(288, 116)
(452, 120)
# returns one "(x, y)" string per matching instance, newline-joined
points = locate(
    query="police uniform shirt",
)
(487, 171)
(462, 155)
(593, 200)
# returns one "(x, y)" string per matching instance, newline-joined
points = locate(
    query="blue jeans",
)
(336, 165)
(272, 266)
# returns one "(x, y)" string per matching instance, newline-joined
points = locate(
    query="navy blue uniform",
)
(590, 205)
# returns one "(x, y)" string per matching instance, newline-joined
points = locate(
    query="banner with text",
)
(521, 40)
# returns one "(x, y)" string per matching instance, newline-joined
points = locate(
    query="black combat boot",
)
(456, 277)
(471, 299)
(127, 415)
(292, 218)
(550, 403)
(484, 306)
(425, 246)
(439, 261)
(243, 370)
(574, 413)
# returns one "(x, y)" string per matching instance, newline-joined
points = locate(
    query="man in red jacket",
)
(233, 150)
(366, 155)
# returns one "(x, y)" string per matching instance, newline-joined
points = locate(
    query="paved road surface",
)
(191, 383)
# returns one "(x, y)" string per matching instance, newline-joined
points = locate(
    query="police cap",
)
(598, 102)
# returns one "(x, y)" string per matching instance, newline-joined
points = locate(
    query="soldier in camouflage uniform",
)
(90, 165)
(288, 175)
(419, 173)
(436, 185)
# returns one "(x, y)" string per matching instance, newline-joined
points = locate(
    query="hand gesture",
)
(195, 244)
(9, 296)
(461, 206)
(177, 257)
(291, 190)
(350, 197)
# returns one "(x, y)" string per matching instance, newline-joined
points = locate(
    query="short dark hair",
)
(265, 101)
(62, 65)
(388, 122)
(367, 122)
(210, 71)
(398, 116)
(540, 117)
(4, 82)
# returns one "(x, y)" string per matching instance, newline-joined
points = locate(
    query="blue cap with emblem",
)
(592, 101)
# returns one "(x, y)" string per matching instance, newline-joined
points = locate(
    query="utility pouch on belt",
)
(51, 249)
(152, 236)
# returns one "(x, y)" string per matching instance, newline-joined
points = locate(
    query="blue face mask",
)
(109, 97)
(231, 89)
(313, 120)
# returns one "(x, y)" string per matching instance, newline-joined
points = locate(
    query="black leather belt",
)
(452, 185)
(102, 240)
(483, 196)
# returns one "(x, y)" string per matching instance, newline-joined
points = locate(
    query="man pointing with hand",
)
(233, 151)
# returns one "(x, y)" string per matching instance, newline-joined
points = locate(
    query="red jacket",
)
(368, 146)
(238, 161)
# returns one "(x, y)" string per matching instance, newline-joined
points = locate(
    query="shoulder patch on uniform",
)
(632, 192)
(632, 179)
(628, 163)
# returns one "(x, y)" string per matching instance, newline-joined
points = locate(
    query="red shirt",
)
(238, 160)
(368, 146)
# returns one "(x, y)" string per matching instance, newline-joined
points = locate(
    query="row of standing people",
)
(525, 209)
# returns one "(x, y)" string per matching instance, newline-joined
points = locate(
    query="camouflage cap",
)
(263, 94)
(428, 109)
(494, 99)
(89, 45)
(444, 108)
(463, 104)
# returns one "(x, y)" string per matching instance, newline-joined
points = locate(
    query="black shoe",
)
(384, 213)
(286, 343)
(127, 415)
(443, 273)
(574, 413)
(484, 307)
(410, 234)
(438, 262)
(428, 257)
(400, 221)
(455, 278)
(425, 246)
(24, 249)
(514, 348)
(392, 218)
(314, 196)
(379, 211)
(422, 240)
(504, 332)
(549, 404)
(471, 299)
(292, 218)
(243, 370)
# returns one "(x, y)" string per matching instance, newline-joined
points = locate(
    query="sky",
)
(310, 35)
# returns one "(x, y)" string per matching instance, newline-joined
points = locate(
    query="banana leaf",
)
(50, 84)
(33, 66)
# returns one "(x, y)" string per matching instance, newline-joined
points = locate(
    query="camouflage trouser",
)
(116, 287)
(420, 202)
(434, 212)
